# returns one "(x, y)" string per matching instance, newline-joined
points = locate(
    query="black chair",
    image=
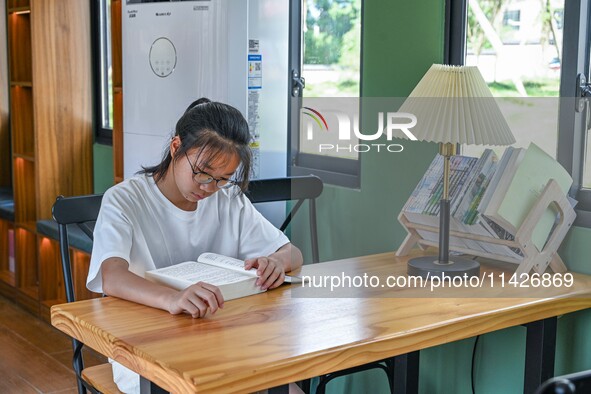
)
(301, 188)
(295, 188)
(574, 383)
(81, 211)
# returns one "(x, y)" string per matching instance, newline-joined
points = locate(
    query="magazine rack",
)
(532, 257)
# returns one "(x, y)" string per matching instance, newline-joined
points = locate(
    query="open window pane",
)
(331, 58)
(517, 46)
(104, 67)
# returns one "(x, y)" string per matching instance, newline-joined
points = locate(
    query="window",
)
(325, 40)
(103, 92)
(518, 47)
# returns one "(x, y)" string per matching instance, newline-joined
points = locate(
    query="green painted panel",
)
(103, 167)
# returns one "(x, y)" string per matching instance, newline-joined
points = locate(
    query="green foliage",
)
(327, 25)
(351, 50)
(476, 38)
(542, 87)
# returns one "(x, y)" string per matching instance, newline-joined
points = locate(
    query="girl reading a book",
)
(189, 203)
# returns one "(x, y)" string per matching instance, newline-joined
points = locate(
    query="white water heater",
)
(233, 51)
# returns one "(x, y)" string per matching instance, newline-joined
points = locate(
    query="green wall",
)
(103, 167)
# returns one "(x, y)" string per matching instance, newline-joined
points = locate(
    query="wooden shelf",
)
(19, 47)
(26, 256)
(45, 308)
(49, 303)
(12, 4)
(30, 291)
(8, 277)
(7, 267)
(19, 10)
(30, 226)
(24, 191)
(81, 265)
(21, 109)
(24, 157)
(28, 298)
(22, 84)
(51, 136)
(51, 279)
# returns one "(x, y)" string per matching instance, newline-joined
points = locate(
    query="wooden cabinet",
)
(51, 133)
(5, 155)
(7, 276)
(50, 272)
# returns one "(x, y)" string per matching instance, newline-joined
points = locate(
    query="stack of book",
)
(489, 197)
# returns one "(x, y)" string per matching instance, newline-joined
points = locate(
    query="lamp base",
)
(428, 267)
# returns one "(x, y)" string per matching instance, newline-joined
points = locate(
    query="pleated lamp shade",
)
(453, 104)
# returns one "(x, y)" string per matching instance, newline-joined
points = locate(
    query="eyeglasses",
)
(204, 178)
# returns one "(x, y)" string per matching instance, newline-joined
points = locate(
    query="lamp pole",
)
(430, 266)
(447, 150)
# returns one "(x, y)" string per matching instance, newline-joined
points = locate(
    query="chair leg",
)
(387, 368)
(305, 385)
(78, 364)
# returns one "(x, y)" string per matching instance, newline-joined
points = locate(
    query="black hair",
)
(217, 129)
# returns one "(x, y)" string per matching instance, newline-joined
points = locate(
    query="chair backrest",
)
(83, 212)
(578, 382)
(295, 188)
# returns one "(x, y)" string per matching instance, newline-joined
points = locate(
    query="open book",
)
(227, 273)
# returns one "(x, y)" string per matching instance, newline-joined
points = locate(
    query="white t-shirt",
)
(140, 225)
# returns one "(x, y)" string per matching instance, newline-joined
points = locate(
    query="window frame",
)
(101, 104)
(575, 59)
(332, 170)
(572, 134)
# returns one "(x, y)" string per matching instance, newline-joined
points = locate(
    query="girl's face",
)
(191, 171)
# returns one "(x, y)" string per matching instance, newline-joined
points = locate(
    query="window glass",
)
(105, 69)
(587, 166)
(517, 46)
(331, 57)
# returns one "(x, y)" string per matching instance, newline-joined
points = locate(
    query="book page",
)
(194, 272)
(236, 265)
(226, 262)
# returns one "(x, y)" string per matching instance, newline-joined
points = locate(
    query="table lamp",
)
(453, 105)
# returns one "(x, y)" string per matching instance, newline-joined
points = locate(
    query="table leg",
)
(540, 352)
(147, 387)
(406, 373)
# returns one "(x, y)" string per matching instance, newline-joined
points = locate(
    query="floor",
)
(35, 357)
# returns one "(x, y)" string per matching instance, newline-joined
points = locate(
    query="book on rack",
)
(227, 273)
(520, 186)
(468, 179)
(489, 197)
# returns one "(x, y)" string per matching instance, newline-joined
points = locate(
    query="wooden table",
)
(282, 336)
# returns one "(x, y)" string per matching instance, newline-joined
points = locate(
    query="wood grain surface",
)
(291, 333)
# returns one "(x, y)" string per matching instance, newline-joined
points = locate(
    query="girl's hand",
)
(269, 270)
(196, 299)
